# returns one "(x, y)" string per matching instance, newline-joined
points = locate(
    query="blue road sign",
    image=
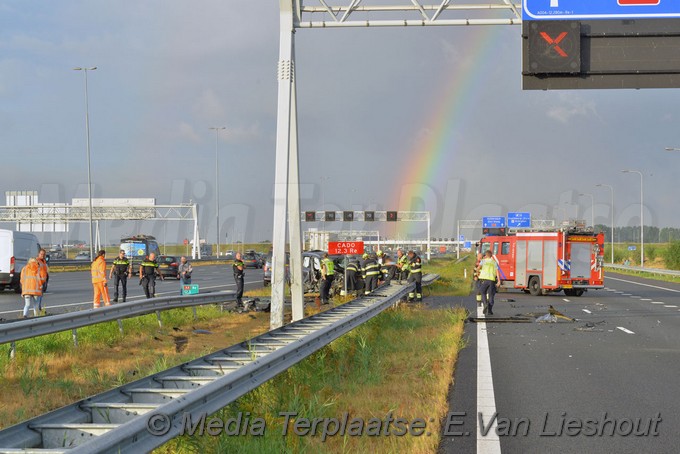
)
(599, 9)
(461, 237)
(519, 220)
(493, 222)
(632, 248)
(467, 244)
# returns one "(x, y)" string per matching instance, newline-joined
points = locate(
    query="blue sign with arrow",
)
(599, 9)
(519, 220)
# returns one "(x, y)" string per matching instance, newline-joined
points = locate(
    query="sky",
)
(417, 118)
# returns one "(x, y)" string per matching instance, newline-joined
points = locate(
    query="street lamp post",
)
(87, 146)
(642, 219)
(611, 188)
(217, 185)
(592, 208)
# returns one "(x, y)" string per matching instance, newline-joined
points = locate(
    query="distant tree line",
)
(632, 234)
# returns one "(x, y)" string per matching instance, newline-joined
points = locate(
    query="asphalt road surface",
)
(604, 383)
(71, 291)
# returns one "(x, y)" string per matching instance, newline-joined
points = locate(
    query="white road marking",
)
(644, 285)
(565, 300)
(626, 294)
(627, 331)
(645, 299)
(635, 296)
(669, 305)
(657, 302)
(587, 311)
(47, 305)
(486, 401)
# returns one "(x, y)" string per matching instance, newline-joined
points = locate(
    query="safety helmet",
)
(380, 253)
(365, 256)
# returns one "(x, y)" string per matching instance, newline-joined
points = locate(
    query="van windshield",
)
(134, 249)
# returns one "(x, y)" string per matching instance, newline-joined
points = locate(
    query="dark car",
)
(83, 256)
(311, 272)
(267, 267)
(251, 260)
(168, 265)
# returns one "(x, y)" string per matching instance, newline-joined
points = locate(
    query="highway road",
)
(566, 387)
(71, 291)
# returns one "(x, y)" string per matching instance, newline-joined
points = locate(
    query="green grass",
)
(371, 371)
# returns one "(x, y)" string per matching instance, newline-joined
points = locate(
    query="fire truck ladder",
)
(133, 417)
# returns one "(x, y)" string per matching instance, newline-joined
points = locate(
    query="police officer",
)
(327, 276)
(120, 271)
(239, 273)
(415, 275)
(352, 270)
(371, 272)
(148, 270)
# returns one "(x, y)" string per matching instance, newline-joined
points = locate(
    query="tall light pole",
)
(592, 208)
(642, 219)
(611, 188)
(87, 146)
(217, 184)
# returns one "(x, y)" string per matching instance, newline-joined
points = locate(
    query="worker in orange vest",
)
(98, 270)
(31, 286)
(44, 275)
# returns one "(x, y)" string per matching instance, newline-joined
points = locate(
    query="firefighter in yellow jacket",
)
(98, 270)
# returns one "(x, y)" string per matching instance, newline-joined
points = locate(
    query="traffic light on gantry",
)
(310, 216)
(392, 216)
(348, 216)
(329, 216)
(369, 216)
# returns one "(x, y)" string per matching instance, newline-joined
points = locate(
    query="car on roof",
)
(168, 266)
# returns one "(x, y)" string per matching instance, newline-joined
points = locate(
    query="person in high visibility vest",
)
(120, 271)
(327, 276)
(488, 276)
(402, 264)
(371, 272)
(352, 271)
(44, 276)
(98, 271)
(148, 270)
(415, 275)
(239, 269)
(31, 286)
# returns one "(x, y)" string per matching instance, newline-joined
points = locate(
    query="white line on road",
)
(587, 311)
(626, 294)
(644, 285)
(645, 299)
(565, 300)
(635, 296)
(669, 305)
(627, 331)
(657, 302)
(486, 401)
(47, 305)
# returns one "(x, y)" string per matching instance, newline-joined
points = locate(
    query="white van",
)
(15, 250)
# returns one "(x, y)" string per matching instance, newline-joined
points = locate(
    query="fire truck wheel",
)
(535, 286)
(569, 292)
(578, 292)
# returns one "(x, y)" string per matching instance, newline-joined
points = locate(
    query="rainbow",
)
(433, 157)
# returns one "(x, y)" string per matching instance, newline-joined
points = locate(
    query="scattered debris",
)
(181, 343)
(201, 331)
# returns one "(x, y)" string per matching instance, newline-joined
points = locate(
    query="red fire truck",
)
(539, 261)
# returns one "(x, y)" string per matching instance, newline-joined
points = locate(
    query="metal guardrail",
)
(13, 331)
(639, 269)
(147, 413)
